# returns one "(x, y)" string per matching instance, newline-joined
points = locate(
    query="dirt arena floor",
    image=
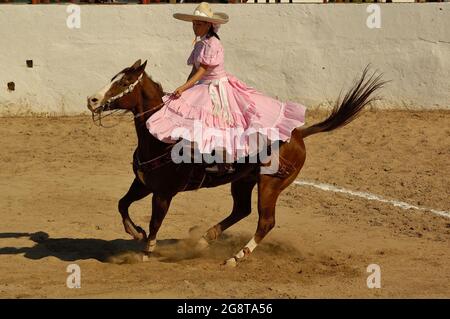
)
(61, 178)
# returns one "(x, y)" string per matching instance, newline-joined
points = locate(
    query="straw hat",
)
(203, 12)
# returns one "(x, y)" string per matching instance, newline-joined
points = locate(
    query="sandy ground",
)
(61, 178)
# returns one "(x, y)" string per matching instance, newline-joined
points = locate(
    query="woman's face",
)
(200, 27)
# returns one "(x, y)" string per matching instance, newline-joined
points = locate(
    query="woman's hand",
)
(178, 91)
(192, 80)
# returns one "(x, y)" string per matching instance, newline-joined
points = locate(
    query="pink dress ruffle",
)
(191, 116)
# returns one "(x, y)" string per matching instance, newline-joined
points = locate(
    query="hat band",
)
(201, 14)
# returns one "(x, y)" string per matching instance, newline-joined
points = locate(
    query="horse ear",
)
(136, 64)
(141, 68)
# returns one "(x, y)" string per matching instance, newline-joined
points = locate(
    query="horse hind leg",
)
(241, 191)
(269, 188)
(136, 192)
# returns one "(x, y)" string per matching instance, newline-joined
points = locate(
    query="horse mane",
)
(157, 85)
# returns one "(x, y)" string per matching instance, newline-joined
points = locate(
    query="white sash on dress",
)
(221, 105)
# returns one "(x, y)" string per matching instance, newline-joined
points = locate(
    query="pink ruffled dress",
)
(220, 112)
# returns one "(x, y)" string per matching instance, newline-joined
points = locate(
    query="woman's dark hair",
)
(211, 33)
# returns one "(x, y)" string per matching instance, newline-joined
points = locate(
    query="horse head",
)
(121, 93)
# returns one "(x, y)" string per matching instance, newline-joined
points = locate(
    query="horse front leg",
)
(160, 206)
(136, 192)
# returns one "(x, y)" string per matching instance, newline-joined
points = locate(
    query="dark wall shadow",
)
(70, 249)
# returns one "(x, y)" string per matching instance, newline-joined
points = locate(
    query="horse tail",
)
(350, 107)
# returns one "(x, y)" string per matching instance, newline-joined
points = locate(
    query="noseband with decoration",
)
(129, 89)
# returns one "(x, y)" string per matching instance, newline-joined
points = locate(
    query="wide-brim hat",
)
(203, 12)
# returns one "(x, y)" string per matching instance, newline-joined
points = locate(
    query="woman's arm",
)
(192, 79)
(192, 72)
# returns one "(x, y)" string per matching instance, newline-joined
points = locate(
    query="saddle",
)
(202, 173)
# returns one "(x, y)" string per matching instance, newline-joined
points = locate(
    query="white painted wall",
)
(301, 52)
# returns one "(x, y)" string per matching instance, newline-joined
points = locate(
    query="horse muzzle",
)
(94, 104)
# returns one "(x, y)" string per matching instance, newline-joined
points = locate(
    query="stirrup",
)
(220, 168)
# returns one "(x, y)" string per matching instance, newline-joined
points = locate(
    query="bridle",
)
(105, 107)
(129, 89)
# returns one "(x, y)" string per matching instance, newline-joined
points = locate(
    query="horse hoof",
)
(202, 244)
(142, 236)
(232, 263)
(146, 257)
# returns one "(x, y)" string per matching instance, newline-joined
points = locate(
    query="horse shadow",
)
(73, 249)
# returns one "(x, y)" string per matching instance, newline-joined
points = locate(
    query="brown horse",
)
(155, 172)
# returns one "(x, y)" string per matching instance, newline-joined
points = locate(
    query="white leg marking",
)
(151, 248)
(251, 245)
(152, 245)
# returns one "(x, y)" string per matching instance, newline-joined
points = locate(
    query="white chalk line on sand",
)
(369, 196)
